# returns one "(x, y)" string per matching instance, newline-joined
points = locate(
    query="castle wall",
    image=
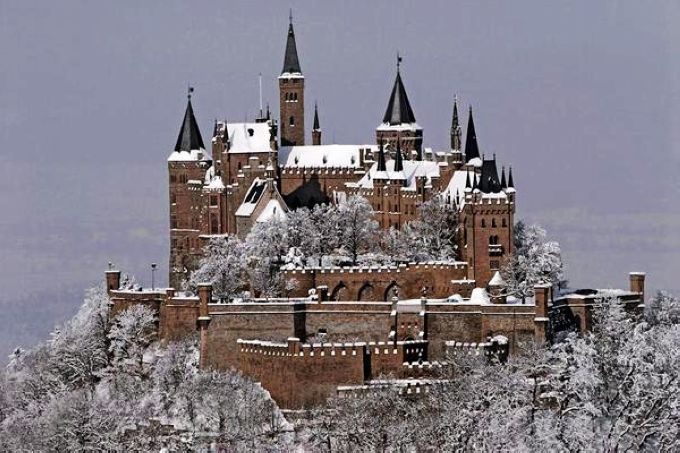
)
(378, 283)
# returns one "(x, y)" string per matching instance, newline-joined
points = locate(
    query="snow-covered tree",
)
(223, 266)
(535, 260)
(265, 247)
(357, 229)
(131, 332)
(53, 399)
(433, 235)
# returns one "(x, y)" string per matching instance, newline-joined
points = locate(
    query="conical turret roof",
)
(189, 137)
(399, 109)
(471, 147)
(291, 64)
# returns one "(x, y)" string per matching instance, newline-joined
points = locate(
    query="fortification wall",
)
(304, 375)
(378, 283)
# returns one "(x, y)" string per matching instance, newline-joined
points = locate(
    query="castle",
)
(255, 175)
(345, 327)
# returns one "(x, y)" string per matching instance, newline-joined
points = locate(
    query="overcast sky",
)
(581, 98)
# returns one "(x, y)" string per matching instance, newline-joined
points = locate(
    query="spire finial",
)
(290, 16)
(398, 61)
(190, 90)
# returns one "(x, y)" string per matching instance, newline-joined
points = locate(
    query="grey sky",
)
(581, 98)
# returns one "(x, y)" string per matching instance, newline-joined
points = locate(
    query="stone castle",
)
(347, 327)
(263, 169)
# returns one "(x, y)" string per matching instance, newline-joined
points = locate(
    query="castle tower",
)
(292, 95)
(316, 129)
(186, 167)
(488, 215)
(455, 128)
(399, 122)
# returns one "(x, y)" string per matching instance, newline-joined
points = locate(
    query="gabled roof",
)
(189, 137)
(291, 64)
(398, 108)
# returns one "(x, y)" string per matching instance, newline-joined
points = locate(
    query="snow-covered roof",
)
(479, 296)
(188, 156)
(216, 183)
(273, 210)
(386, 127)
(249, 137)
(497, 280)
(475, 162)
(412, 169)
(320, 156)
(252, 197)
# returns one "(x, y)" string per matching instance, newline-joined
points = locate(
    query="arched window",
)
(291, 121)
(239, 166)
(504, 223)
(295, 97)
(493, 222)
(483, 223)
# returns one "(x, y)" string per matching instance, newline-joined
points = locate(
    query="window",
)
(214, 227)
(483, 223)
(173, 198)
(173, 222)
(173, 178)
(291, 121)
(504, 223)
(239, 166)
(213, 200)
(493, 223)
(494, 265)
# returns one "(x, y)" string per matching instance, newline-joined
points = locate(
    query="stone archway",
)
(366, 292)
(339, 292)
(391, 291)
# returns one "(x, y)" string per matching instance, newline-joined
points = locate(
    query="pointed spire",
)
(381, 156)
(504, 185)
(511, 183)
(471, 148)
(398, 162)
(315, 126)
(189, 137)
(291, 64)
(399, 109)
(455, 127)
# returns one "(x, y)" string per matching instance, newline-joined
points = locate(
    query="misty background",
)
(580, 97)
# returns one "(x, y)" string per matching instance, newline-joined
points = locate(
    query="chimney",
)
(204, 298)
(541, 298)
(637, 283)
(113, 280)
(293, 345)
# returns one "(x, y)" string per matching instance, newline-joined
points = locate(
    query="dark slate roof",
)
(381, 157)
(471, 147)
(454, 119)
(316, 126)
(489, 182)
(398, 108)
(189, 137)
(511, 183)
(398, 158)
(255, 192)
(291, 64)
